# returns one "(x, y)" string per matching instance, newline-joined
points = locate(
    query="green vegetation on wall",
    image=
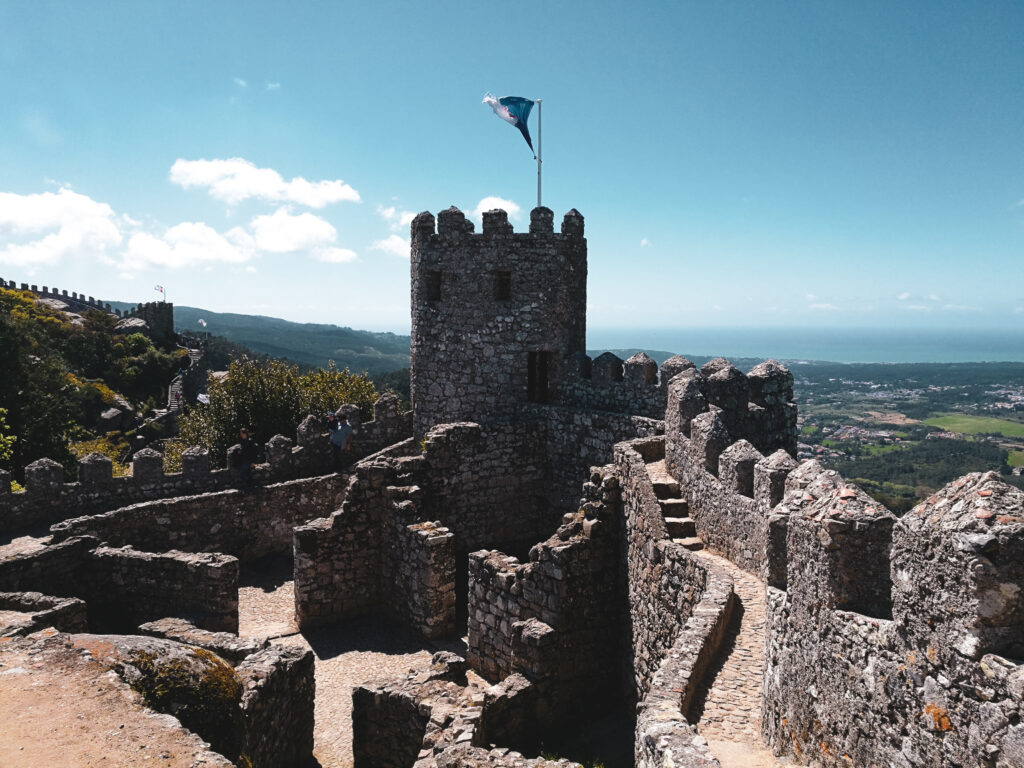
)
(269, 397)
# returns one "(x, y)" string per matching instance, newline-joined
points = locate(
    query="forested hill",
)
(309, 344)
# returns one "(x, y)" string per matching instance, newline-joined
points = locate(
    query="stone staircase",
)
(175, 391)
(674, 509)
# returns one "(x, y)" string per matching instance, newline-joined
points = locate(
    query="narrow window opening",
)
(502, 285)
(434, 285)
(537, 366)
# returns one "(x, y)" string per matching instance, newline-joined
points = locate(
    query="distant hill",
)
(309, 344)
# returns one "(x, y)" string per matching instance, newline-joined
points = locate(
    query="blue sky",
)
(738, 163)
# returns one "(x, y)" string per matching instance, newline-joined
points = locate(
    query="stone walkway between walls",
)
(728, 712)
(347, 654)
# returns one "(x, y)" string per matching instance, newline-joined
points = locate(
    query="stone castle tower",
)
(495, 316)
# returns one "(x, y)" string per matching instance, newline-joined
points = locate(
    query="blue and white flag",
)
(514, 110)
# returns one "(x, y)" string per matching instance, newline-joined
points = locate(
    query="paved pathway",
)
(727, 710)
(728, 713)
(347, 654)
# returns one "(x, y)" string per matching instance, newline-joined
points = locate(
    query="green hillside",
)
(309, 344)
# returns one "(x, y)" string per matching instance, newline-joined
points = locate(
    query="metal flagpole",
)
(538, 152)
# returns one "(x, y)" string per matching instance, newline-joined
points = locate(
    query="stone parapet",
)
(48, 499)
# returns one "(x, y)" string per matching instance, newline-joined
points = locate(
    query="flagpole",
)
(538, 152)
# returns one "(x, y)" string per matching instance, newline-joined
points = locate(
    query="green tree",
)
(34, 387)
(7, 440)
(269, 397)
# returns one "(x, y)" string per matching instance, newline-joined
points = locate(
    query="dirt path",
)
(58, 707)
(347, 654)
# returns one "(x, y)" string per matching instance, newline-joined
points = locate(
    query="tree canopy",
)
(269, 397)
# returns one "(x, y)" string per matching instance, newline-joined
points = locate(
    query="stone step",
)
(675, 508)
(691, 542)
(666, 488)
(680, 527)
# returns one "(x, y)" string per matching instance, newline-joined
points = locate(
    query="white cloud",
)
(393, 244)
(960, 308)
(490, 203)
(811, 297)
(283, 232)
(187, 244)
(1018, 310)
(823, 308)
(273, 86)
(395, 218)
(932, 297)
(644, 242)
(336, 255)
(45, 228)
(236, 179)
(917, 308)
(240, 82)
(904, 296)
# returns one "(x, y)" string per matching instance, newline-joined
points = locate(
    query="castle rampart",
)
(48, 499)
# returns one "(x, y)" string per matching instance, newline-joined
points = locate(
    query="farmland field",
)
(977, 425)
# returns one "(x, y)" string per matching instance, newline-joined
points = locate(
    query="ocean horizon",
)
(839, 345)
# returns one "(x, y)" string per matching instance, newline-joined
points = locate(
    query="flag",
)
(514, 110)
(158, 288)
(202, 322)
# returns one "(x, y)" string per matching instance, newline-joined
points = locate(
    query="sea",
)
(839, 345)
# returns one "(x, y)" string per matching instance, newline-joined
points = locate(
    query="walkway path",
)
(727, 710)
(347, 654)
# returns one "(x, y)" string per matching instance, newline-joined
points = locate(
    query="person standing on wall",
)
(247, 456)
(341, 437)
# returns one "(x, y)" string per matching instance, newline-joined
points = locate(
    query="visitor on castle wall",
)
(341, 436)
(247, 456)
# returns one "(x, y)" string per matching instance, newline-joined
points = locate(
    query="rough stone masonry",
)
(525, 502)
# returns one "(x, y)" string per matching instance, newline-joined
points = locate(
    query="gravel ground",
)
(347, 654)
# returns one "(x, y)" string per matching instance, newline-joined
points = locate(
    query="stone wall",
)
(717, 424)
(756, 407)
(124, 588)
(378, 551)
(679, 608)
(26, 612)
(495, 316)
(938, 683)
(248, 525)
(574, 441)
(53, 570)
(486, 484)
(438, 719)
(553, 618)
(635, 386)
(48, 499)
(277, 706)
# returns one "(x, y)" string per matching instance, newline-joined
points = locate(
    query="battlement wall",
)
(919, 624)
(494, 315)
(917, 620)
(48, 499)
(636, 386)
(77, 302)
(158, 315)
